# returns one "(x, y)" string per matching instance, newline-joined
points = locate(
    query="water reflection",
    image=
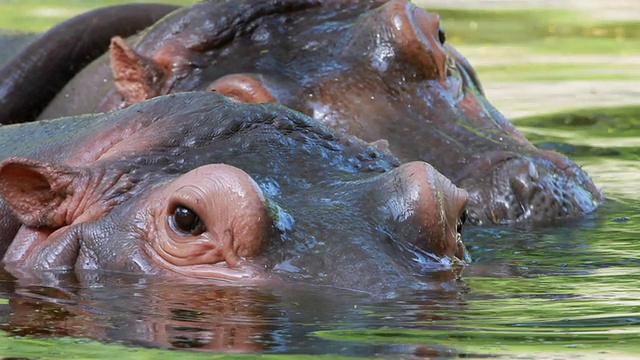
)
(135, 311)
(141, 311)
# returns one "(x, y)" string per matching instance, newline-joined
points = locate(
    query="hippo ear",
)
(40, 194)
(137, 78)
(243, 88)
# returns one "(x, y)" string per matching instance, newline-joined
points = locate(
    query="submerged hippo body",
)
(379, 70)
(196, 185)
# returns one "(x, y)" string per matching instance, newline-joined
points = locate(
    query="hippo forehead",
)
(183, 131)
(309, 35)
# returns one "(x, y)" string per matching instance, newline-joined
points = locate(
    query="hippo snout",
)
(514, 188)
(430, 209)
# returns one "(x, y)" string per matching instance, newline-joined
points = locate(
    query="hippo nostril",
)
(522, 186)
(461, 221)
(461, 251)
(524, 180)
(523, 194)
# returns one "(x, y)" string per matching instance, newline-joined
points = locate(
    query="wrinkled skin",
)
(378, 70)
(198, 186)
(46, 63)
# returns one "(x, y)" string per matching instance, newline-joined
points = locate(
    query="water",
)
(564, 291)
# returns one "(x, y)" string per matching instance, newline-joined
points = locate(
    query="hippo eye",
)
(186, 221)
(441, 35)
(461, 221)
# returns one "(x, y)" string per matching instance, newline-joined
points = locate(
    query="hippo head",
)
(380, 70)
(63, 210)
(196, 185)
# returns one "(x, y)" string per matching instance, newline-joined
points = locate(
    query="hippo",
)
(379, 70)
(198, 186)
(46, 63)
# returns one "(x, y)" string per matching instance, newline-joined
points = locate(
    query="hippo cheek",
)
(208, 222)
(430, 209)
(512, 188)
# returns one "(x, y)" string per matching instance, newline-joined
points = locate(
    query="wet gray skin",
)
(375, 69)
(98, 192)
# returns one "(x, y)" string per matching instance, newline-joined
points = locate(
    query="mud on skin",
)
(379, 70)
(194, 185)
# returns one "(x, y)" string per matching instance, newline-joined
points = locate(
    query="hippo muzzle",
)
(525, 186)
(511, 188)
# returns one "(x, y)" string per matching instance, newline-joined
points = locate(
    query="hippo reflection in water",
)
(380, 70)
(198, 185)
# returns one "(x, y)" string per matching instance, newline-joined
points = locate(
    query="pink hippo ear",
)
(243, 88)
(137, 77)
(41, 194)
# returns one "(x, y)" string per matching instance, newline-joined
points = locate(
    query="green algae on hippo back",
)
(379, 70)
(196, 186)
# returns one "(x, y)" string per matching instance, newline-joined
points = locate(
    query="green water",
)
(566, 291)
